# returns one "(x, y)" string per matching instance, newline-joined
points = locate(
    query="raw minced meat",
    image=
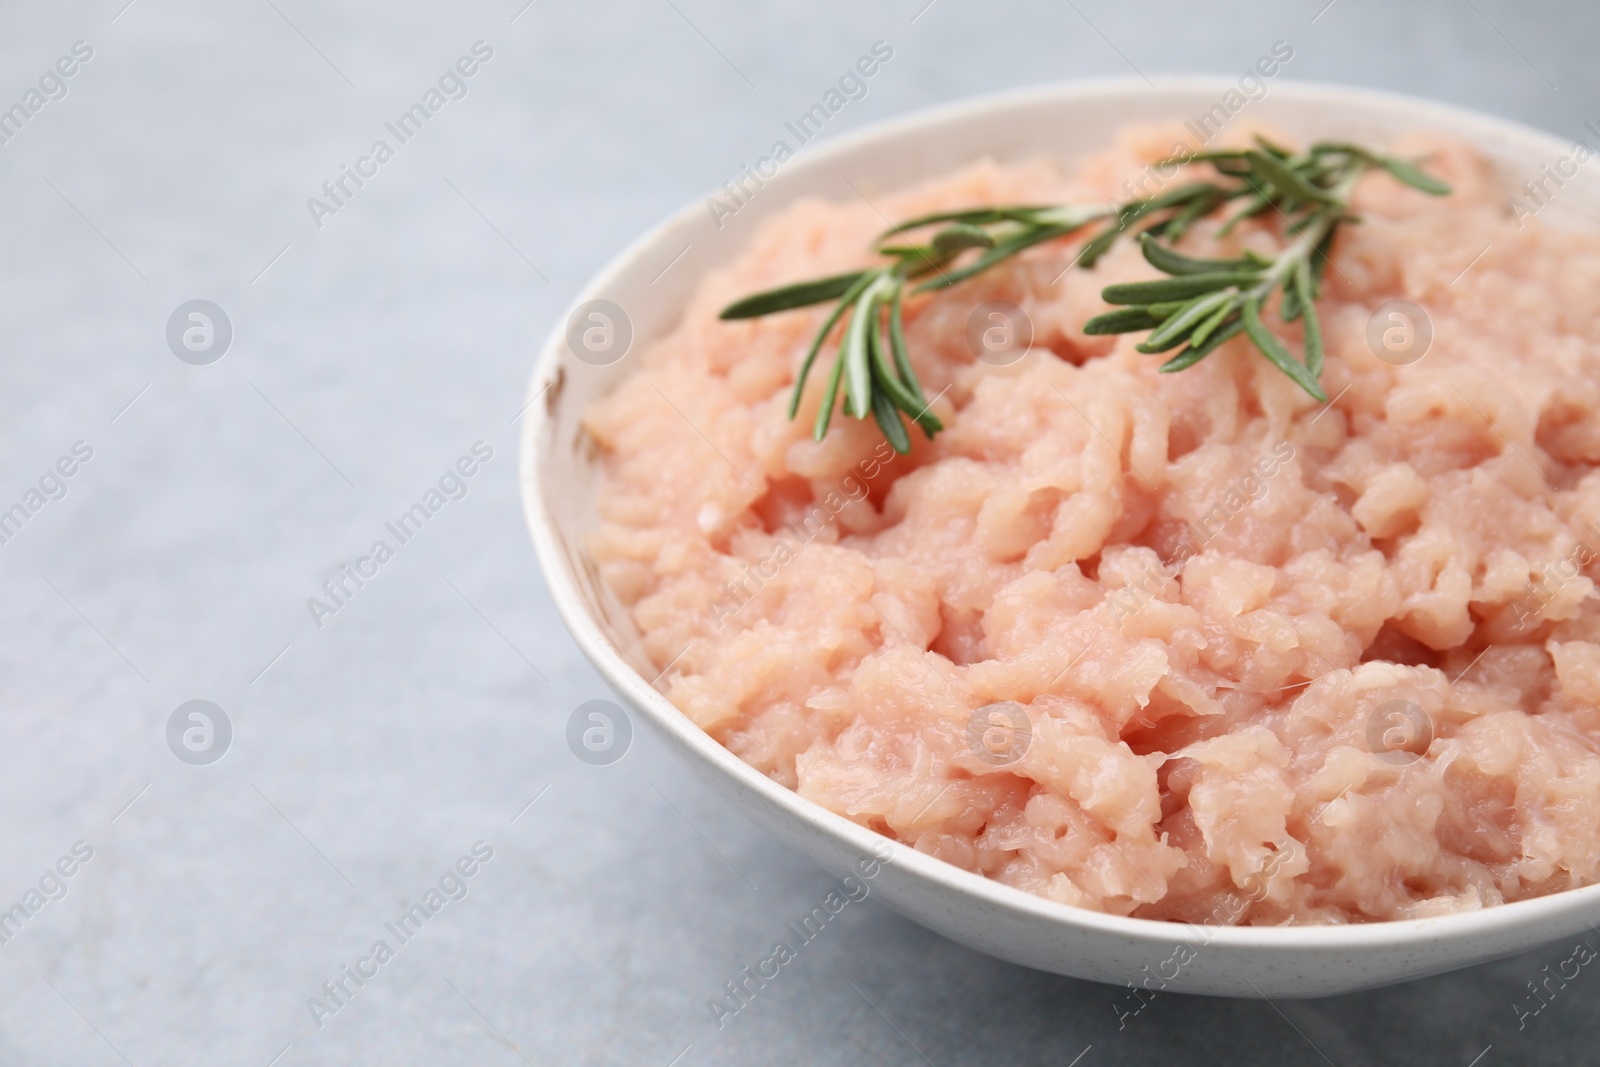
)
(1189, 646)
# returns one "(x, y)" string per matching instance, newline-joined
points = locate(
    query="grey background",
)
(432, 708)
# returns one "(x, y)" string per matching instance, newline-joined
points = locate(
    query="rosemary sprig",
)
(1199, 305)
(873, 366)
(1205, 302)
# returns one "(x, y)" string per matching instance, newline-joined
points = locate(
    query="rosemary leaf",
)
(830, 396)
(922, 413)
(1274, 171)
(1179, 287)
(1196, 352)
(864, 279)
(1002, 250)
(1166, 309)
(1270, 148)
(1122, 320)
(1172, 332)
(977, 216)
(1312, 344)
(799, 295)
(961, 236)
(1220, 316)
(1415, 177)
(884, 377)
(897, 346)
(1319, 262)
(856, 357)
(1168, 261)
(1292, 306)
(889, 393)
(1179, 224)
(1268, 345)
(1173, 197)
(918, 414)
(1216, 156)
(888, 419)
(1324, 148)
(1098, 246)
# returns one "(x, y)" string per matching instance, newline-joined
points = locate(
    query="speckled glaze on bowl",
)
(651, 279)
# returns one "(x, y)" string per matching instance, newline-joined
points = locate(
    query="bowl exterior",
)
(650, 280)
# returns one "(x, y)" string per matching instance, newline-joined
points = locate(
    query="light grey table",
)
(371, 347)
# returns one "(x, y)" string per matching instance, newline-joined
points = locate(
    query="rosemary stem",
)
(1309, 237)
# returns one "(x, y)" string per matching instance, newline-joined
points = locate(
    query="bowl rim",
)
(1529, 914)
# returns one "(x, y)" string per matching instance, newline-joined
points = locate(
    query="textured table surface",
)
(370, 753)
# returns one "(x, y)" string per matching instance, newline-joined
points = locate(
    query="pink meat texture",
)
(1186, 646)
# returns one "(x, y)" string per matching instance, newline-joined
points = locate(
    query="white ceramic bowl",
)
(651, 280)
